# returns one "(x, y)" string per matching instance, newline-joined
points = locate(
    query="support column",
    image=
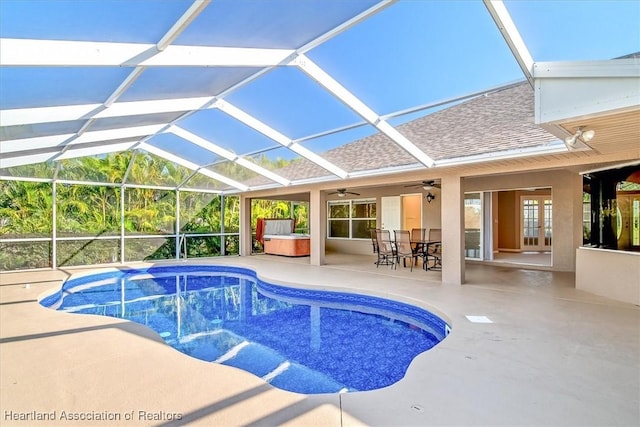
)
(452, 213)
(245, 226)
(317, 226)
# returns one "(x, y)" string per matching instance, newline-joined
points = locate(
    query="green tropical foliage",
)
(89, 218)
(26, 208)
(25, 211)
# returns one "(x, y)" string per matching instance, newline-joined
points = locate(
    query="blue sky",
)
(412, 53)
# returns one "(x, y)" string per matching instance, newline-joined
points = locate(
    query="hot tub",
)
(287, 244)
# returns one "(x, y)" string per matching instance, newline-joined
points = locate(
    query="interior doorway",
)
(411, 211)
(628, 224)
(510, 226)
(524, 221)
(536, 228)
(402, 212)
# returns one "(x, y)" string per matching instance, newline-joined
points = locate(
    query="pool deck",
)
(553, 356)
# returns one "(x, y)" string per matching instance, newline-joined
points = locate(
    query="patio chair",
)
(433, 250)
(417, 239)
(403, 247)
(418, 234)
(374, 240)
(386, 251)
(374, 243)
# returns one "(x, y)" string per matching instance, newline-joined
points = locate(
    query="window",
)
(612, 197)
(586, 218)
(351, 219)
(472, 225)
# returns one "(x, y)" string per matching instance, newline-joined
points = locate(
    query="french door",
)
(628, 221)
(536, 223)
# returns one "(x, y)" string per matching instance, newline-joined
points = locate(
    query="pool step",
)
(233, 352)
(280, 369)
(257, 359)
(273, 368)
(227, 348)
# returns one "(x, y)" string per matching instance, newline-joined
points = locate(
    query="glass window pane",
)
(472, 224)
(530, 217)
(547, 222)
(339, 228)
(338, 210)
(586, 218)
(363, 209)
(301, 215)
(361, 228)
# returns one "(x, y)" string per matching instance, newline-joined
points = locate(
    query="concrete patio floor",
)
(552, 356)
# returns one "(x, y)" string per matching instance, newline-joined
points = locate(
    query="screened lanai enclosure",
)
(104, 220)
(120, 207)
(130, 129)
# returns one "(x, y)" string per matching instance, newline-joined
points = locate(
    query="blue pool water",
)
(306, 341)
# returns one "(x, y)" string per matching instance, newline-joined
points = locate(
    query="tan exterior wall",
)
(612, 274)
(431, 217)
(355, 247)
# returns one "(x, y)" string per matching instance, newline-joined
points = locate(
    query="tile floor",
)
(552, 356)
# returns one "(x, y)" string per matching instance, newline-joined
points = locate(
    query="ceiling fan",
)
(341, 192)
(426, 185)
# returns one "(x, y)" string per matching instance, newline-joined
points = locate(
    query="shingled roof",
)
(497, 121)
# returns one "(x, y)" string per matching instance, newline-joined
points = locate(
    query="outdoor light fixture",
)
(582, 135)
(430, 197)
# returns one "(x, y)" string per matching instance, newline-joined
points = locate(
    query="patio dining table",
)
(421, 248)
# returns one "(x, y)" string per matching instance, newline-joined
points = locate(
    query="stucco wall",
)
(345, 246)
(612, 274)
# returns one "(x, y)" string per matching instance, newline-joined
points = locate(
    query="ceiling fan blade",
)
(343, 191)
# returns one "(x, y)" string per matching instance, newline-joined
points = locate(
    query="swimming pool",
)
(301, 340)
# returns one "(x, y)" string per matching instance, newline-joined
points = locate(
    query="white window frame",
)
(350, 219)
